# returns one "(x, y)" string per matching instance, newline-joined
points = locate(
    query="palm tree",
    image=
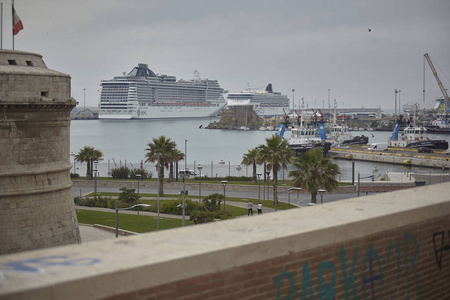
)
(249, 159)
(177, 155)
(89, 155)
(277, 155)
(314, 172)
(161, 149)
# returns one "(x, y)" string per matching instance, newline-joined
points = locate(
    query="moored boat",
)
(413, 136)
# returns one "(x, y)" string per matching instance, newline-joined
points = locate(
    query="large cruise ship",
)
(142, 94)
(266, 103)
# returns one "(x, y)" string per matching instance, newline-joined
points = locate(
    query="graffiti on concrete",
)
(39, 264)
(439, 247)
(373, 279)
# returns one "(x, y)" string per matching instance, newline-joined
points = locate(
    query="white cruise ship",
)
(266, 103)
(142, 94)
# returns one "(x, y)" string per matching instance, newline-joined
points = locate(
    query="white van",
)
(378, 147)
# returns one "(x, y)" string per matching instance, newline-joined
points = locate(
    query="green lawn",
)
(133, 223)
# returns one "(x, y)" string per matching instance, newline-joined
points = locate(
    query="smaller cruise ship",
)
(266, 103)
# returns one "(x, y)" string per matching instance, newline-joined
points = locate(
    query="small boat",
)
(341, 135)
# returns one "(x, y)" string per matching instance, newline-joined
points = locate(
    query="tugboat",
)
(413, 137)
(305, 137)
(340, 134)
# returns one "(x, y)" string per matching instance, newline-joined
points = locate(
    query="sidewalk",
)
(255, 209)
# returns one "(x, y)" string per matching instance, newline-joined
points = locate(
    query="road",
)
(301, 199)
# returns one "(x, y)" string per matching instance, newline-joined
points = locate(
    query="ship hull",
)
(165, 111)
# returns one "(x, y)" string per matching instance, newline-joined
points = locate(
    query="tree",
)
(313, 172)
(249, 159)
(161, 150)
(176, 156)
(89, 155)
(128, 195)
(277, 155)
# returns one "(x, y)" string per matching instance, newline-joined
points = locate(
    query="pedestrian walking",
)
(259, 208)
(250, 208)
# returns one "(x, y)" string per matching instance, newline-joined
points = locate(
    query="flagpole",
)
(12, 22)
(1, 26)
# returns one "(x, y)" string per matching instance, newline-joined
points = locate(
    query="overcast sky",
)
(310, 46)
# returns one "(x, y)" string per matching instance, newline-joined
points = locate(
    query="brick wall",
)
(388, 246)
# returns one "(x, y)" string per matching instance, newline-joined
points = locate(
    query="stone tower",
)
(36, 206)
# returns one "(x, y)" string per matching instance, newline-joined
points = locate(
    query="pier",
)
(399, 156)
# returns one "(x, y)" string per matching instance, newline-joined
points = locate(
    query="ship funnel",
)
(269, 88)
(142, 70)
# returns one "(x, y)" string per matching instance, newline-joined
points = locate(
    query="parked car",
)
(447, 152)
(424, 150)
(187, 172)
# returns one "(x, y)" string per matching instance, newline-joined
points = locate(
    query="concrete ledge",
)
(109, 268)
(112, 229)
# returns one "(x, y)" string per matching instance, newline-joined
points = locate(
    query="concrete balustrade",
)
(392, 244)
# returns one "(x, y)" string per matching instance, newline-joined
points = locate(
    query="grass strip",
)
(135, 223)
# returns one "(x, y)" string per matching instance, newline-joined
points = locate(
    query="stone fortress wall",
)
(36, 206)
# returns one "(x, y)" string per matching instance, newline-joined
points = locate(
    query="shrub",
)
(89, 202)
(212, 202)
(144, 173)
(201, 216)
(120, 172)
(223, 215)
(174, 207)
(104, 202)
(74, 175)
(128, 196)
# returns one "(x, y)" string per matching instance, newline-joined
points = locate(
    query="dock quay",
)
(399, 156)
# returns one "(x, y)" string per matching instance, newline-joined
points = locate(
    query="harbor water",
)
(220, 152)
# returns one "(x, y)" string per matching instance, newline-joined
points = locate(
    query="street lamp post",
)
(321, 192)
(359, 177)
(184, 181)
(289, 193)
(268, 178)
(158, 165)
(95, 178)
(264, 183)
(224, 196)
(117, 213)
(199, 167)
(259, 187)
(293, 90)
(138, 176)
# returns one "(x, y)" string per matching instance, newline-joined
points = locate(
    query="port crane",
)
(441, 86)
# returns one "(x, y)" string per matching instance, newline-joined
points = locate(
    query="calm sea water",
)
(124, 142)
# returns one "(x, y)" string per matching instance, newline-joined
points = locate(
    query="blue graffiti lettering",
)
(285, 275)
(349, 280)
(37, 265)
(327, 291)
(371, 253)
(307, 283)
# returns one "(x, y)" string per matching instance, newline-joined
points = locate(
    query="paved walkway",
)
(89, 233)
